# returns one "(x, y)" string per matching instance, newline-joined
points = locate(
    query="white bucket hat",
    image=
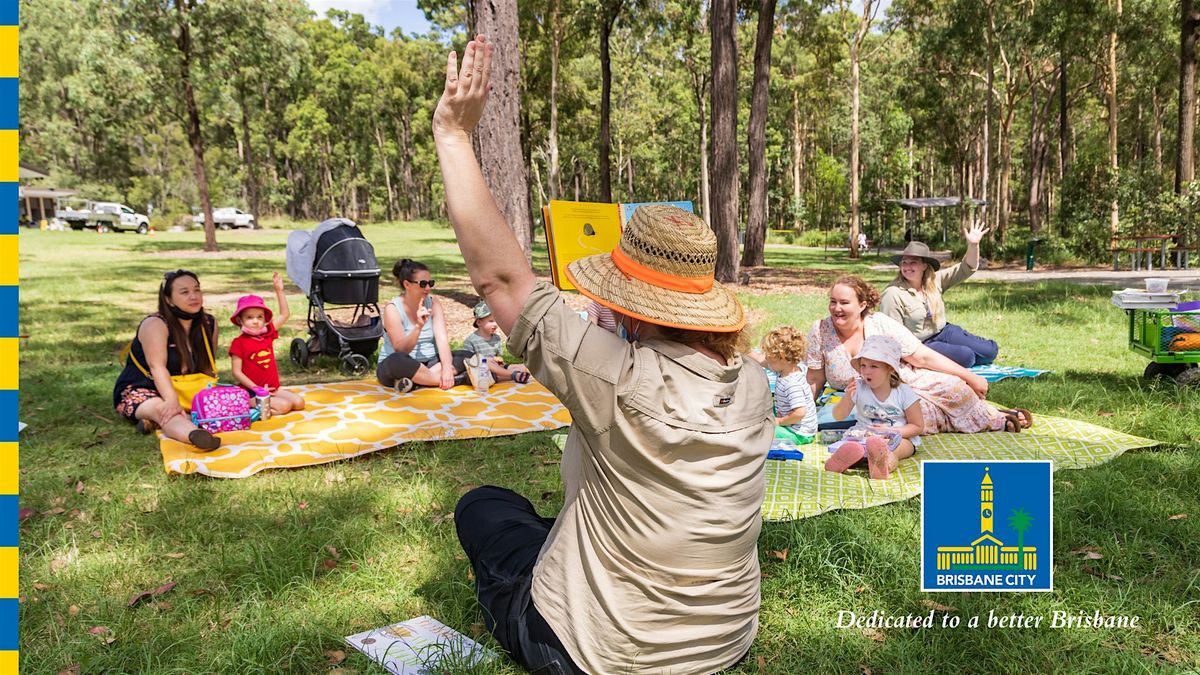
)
(880, 348)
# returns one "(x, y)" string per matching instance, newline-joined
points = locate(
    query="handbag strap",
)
(207, 349)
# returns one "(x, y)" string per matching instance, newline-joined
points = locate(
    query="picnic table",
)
(1141, 252)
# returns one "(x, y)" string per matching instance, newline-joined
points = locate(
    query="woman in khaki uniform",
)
(914, 298)
(651, 566)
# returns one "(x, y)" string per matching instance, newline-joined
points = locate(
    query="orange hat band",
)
(671, 282)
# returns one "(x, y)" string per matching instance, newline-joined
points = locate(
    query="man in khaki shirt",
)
(652, 564)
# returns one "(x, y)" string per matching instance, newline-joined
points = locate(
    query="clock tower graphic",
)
(987, 553)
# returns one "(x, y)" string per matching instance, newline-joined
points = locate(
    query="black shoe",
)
(145, 427)
(204, 441)
(403, 385)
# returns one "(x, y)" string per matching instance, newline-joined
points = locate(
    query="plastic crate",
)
(1157, 333)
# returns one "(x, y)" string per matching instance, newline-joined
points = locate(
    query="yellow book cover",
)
(576, 230)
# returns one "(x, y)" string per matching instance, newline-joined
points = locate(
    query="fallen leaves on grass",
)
(939, 606)
(781, 554)
(1105, 414)
(334, 656)
(865, 669)
(73, 610)
(302, 505)
(78, 487)
(328, 564)
(1097, 573)
(175, 555)
(477, 630)
(332, 476)
(439, 519)
(762, 664)
(1088, 553)
(25, 514)
(873, 634)
(333, 552)
(104, 633)
(59, 563)
(152, 593)
(72, 669)
(1177, 516)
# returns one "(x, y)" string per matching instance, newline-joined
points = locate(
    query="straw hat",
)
(662, 272)
(916, 249)
(879, 348)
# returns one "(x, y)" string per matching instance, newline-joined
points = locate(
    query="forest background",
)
(1073, 119)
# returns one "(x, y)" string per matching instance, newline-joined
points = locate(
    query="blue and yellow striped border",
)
(8, 336)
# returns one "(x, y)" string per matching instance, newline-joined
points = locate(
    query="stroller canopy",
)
(334, 249)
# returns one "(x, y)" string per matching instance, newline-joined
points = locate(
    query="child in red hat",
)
(253, 352)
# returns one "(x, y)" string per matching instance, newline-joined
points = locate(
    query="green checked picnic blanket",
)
(799, 489)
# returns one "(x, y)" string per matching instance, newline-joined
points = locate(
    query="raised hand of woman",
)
(466, 90)
(974, 233)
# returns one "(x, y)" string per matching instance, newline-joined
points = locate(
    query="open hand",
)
(277, 281)
(974, 232)
(466, 91)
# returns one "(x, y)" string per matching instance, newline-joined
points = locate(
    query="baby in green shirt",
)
(485, 343)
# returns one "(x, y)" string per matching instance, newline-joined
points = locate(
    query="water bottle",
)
(262, 400)
(482, 377)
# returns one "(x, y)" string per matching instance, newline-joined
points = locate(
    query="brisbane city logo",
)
(986, 526)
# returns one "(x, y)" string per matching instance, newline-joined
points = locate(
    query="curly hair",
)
(865, 292)
(785, 343)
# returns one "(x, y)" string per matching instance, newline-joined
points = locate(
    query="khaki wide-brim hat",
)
(916, 249)
(880, 348)
(662, 272)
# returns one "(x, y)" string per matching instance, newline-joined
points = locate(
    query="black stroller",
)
(335, 267)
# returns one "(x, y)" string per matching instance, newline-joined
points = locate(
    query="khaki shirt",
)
(652, 564)
(908, 305)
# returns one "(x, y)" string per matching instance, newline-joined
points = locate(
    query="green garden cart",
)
(1170, 339)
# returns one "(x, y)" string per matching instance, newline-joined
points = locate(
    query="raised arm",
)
(282, 316)
(493, 256)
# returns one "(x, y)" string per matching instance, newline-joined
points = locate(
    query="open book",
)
(420, 646)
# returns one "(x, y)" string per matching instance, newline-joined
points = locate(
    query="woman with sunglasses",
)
(914, 298)
(416, 348)
(175, 341)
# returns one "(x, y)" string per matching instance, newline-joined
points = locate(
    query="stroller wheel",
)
(355, 365)
(300, 355)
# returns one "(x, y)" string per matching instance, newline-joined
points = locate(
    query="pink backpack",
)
(220, 408)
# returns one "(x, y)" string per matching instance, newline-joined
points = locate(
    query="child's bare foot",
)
(878, 458)
(845, 457)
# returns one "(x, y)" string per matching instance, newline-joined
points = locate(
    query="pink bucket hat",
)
(248, 302)
(880, 348)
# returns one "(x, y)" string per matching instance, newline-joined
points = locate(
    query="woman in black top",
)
(177, 340)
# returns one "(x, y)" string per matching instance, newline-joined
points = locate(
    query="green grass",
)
(255, 592)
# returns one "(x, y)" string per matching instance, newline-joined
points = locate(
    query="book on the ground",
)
(420, 646)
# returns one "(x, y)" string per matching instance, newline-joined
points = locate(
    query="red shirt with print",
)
(258, 357)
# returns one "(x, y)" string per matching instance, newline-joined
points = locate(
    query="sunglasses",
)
(424, 283)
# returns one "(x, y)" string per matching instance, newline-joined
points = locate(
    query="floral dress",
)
(947, 402)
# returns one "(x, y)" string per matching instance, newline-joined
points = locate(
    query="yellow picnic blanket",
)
(347, 419)
(799, 489)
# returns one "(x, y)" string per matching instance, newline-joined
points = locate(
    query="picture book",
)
(576, 230)
(420, 646)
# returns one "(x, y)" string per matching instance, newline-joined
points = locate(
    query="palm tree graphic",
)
(1020, 521)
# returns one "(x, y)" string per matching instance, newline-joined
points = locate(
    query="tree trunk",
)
(854, 141)
(1157, 102)
(251, 171)
(797, 158)
(1111, 91)
(725, 181)
(555, 177)
(986, 159)
(498, 137)
(611, 9)
(1037, 158)
(756, 221)
(184, 42)
(387, 173)
(1189, 25)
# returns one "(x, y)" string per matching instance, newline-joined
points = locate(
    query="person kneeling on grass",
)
(795, 411)
(652, 564)
(888, 412)
(485, 343)
(253, 352)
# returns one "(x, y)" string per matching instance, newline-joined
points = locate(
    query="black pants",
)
(398, 365)
(502, 535)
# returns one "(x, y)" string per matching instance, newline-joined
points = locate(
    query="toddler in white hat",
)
(888, 412)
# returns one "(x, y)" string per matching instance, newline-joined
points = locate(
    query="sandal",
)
(203, 440)
(1012, 422)
(520, 376)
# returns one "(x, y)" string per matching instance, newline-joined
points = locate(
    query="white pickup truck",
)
(104, 217)
(226, 218)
